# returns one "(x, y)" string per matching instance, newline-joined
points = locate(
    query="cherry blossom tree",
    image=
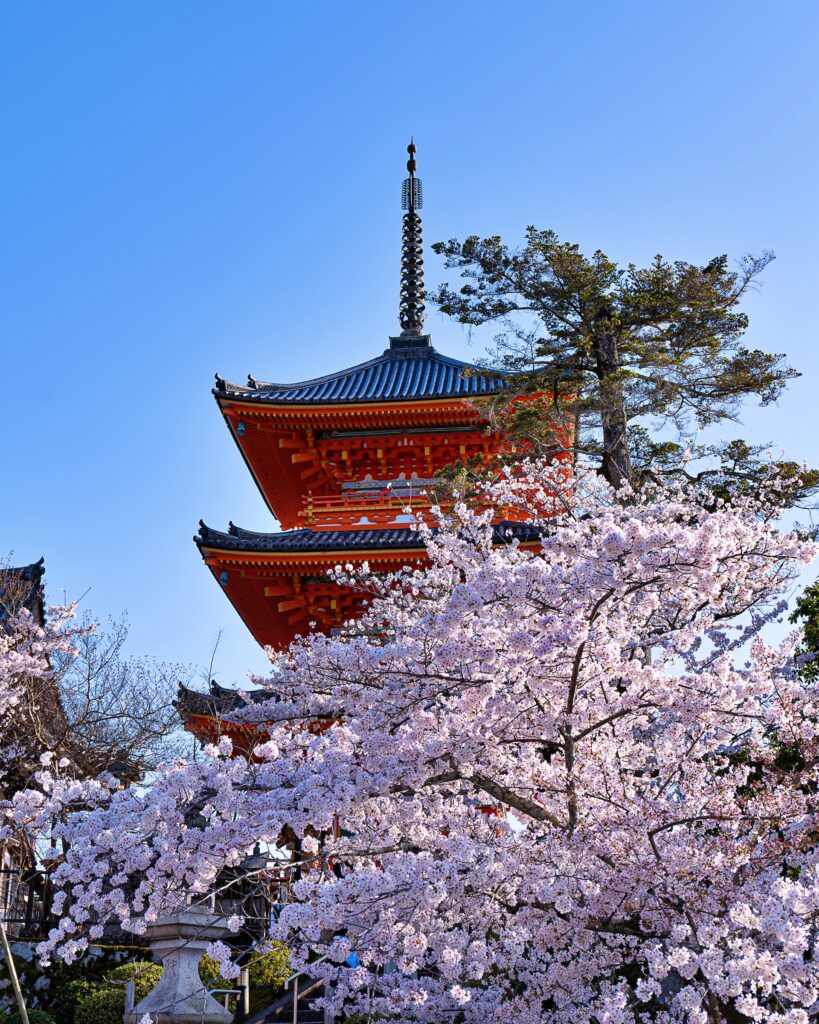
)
(563, 781)
(10, 692)
(9, 681)
(30, 708)
(69, 692)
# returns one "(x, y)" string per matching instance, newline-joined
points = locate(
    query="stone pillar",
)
(180, 941)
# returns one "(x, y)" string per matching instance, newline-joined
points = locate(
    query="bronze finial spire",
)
(411, 307)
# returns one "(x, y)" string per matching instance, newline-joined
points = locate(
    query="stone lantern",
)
(180, 940)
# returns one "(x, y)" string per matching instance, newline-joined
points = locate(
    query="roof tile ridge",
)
(272, 386)
(243, 533)
(388, 355)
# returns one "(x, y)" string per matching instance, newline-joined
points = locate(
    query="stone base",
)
(181, 1017)
(180, 942)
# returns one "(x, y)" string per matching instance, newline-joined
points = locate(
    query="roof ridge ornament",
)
(411, 308)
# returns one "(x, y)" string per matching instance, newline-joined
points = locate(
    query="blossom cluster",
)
(28, 691)
(573, 781)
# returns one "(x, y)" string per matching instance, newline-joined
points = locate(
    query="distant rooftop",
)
(409, 369)
(218, 701)
(21, 587)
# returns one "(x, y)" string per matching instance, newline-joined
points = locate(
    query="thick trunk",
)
(576, 440)
(616, 462)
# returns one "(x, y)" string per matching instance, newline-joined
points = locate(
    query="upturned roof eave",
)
(305, 541)
(247, 461)
(433, 377)
(236, 398)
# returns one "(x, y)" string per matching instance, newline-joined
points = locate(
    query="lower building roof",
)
(220, 700)
(22, 587)
(238, 539)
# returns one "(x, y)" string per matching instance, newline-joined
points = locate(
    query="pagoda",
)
(345, 462)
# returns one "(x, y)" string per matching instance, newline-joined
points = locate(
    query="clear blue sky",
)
(198, 187)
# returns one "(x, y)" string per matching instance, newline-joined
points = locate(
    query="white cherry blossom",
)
(574, 782)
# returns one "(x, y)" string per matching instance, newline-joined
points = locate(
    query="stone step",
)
(281, 1011)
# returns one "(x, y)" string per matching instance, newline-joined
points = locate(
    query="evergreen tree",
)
(615, 348)
(806, 615)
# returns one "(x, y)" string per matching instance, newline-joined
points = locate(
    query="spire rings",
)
(411, 305)
(411, 308)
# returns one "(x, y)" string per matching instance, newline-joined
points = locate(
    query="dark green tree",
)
(806, 614)
(613, 348)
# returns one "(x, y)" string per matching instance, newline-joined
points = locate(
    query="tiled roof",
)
(237, 539)
(220, 700)
(22, 587)
(403, 372)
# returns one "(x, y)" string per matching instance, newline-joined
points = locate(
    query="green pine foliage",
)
(58, 988)
(69, 996)
(270, 968)
(103, 1002)
(102, 1006)
(623, 357)
(34, 1017)
(144, 974)
(806, 614)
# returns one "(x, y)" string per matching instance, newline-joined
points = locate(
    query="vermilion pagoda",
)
(339, 460)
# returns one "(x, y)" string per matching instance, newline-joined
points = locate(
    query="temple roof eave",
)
(398, 375)
(219, 700)
(241, 541)
(22, 587)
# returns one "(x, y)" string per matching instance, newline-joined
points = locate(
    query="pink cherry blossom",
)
(28, 693)
(557, 767)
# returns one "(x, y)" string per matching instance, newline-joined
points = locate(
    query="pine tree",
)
(613, 349)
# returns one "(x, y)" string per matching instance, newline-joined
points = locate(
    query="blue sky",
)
(197, 187)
